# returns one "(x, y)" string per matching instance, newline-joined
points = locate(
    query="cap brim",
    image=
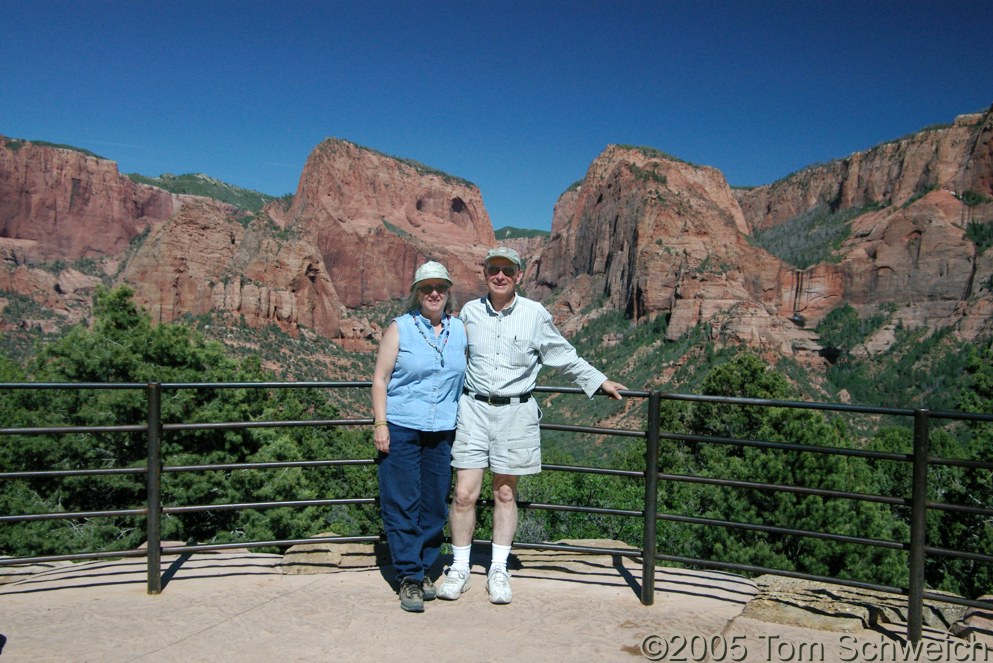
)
(429, 278)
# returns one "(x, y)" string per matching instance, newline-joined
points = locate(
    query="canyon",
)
(643, 233)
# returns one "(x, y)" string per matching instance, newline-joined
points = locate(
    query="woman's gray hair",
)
(414, 304)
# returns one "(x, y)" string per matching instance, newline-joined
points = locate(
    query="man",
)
(510, 339)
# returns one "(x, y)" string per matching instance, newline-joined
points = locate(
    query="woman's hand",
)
(382, 436)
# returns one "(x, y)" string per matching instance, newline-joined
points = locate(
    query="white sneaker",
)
(498, 585)
(456, 583)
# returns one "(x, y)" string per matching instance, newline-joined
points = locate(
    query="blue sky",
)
(517, 97)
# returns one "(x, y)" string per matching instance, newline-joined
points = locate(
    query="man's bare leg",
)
(462, 515)
(504, 508)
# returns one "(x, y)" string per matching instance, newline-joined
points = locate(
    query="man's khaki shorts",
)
(505, 438)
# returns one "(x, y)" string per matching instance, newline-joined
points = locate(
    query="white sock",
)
(461, 557)
(500, 555)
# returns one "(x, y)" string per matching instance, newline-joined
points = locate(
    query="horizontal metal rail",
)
(241, 425)
(788, 446)
(65, 430)
(73, 515)
(238, 506)
(274, 543)
(782, 488)
(280, 464)
(50, 474)
(774, 529)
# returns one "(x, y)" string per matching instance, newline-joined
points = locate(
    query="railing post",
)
(154, 477)
(649, 544)
(918, 525)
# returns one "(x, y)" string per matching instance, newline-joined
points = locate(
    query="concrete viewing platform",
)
(242, 607)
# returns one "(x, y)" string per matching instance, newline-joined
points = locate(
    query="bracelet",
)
(377, 424)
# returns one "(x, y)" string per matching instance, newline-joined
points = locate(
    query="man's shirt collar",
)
(506, 310)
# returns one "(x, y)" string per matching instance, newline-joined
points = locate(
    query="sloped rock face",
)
(648, 234)
(66, 293)
(203, 260)
(916, 256)
(640, 217)
(643, 233)
(958, 158)
(918, 253)
(557, 244)
(913, 252)
(361, 221)
(64, 205)
(374, 219)
(830, 607)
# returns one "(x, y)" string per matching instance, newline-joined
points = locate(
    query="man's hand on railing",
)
(613, 389)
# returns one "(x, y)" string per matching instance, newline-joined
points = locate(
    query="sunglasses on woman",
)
(509, 271)
(440, 288)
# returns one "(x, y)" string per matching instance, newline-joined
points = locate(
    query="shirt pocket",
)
(519, 353)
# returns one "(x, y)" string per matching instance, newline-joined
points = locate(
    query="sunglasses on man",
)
(440, 288)
(509, 270)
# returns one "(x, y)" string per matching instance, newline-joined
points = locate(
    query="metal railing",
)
(152, 511)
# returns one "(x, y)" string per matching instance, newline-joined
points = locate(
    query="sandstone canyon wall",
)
(956, 158)
(375, 218)
(181, 254)
(61, 204)
(649, 234)
(203, 260)
(359, 226)
(912, 251)
(643, 233)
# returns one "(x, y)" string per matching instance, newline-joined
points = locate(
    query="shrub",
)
(974, 198)
(981, 234)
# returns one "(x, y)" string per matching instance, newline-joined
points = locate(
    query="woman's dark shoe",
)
(411, 595)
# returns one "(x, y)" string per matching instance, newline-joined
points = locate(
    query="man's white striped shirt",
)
(507, 349)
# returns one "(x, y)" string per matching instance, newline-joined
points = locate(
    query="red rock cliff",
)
(375, 218)
(913, 251)
(65, 205)
(360, 224)
(202, 260)
(643, 233)
(956, 158)
(650, 234)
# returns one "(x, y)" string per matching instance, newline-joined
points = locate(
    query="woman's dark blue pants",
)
(414, 480)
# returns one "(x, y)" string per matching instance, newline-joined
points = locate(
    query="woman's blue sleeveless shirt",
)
(423, 392)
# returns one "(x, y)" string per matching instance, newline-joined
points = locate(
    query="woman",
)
(415, 390)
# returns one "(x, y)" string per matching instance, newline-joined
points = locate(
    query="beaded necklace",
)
(419, 322)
